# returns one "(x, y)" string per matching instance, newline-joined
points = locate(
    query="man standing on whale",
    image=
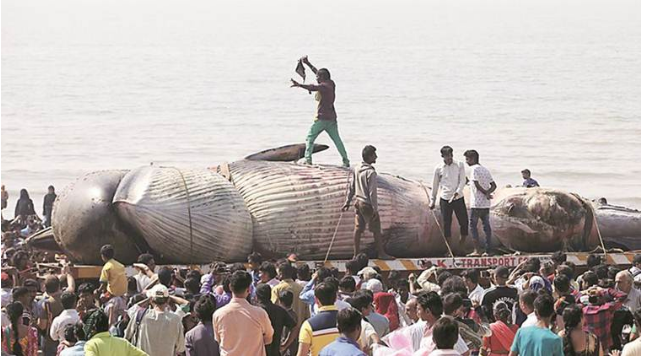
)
(363, 186)
(326, 114)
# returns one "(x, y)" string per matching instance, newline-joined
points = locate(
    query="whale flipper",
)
(285, 153)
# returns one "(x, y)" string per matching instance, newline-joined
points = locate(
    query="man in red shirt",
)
(326, 114)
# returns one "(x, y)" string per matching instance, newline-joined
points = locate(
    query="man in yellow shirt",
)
(101, 343)
(115, 282)
(320, 330)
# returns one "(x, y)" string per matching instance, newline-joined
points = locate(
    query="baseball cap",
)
(374, 285)
(158, 291)
(502, 272)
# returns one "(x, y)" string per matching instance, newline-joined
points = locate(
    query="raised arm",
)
(305, 60)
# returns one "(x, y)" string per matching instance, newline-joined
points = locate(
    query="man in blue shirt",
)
(538, 340)
(528, 181)
(349, 326)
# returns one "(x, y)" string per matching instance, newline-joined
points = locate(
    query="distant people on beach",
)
(528, 181)
(325, 119)
(5, 197)
(48, 205)
(24, 206)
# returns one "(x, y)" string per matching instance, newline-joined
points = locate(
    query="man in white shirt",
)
(146, 266)
(449, 182)
(625, 283)
(475, 291)
(527, 297)
(429, 310)
(69, 316)
(482, 186)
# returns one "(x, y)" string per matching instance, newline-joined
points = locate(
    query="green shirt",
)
(102, 344)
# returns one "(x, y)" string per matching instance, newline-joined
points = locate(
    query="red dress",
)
(501, 340)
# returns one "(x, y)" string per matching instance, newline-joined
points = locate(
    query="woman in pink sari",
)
(503, 332)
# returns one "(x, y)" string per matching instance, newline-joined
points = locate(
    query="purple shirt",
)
(200, 341)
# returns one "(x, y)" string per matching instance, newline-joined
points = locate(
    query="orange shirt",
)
(242, 329)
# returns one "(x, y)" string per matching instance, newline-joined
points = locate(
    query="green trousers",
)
(331, 127)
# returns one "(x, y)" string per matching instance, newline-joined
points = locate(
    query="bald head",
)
(411, 309)
(624, 281)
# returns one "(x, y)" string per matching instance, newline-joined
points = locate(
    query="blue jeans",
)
(475, 215)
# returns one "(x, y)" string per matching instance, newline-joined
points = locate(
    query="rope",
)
(602, 243)
(445, 240)
(190, 217)
(333, 238)
(340, 218)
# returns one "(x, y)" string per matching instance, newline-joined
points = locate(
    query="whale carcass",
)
(269, 204)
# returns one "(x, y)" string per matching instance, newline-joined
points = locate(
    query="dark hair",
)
(70, 333)
(303, 272)
(572, 316)
(107, 251)
(287, 271)
(86, 288)
(240, 281)
(453, 284)
(472, 275)
(24, 194)
(442, 277)
(501, 312)
(565, 270)
(472, 154)
(430, 300)
(101, 322)
(527, 297)
(593, 260)
(590, 278)
(445, 333)
(145, 258)
(323, 273)
(451, 303)
(601, 270)
(268, 268)
(349, 320)
(263, 292)
(192, 285)
(324, 73)
(19, 292)
(527, 171)
(332, 280)
(637, 317)
(543, 305)
(237, 267)
(363, 260)
(446, 150)
(402, 284)
(255, 257)
(194, 274)
(132, 284)
(226, 283)
(325, 292)
(612, 271)
(286, 298)
(165, 276)
(368, 151)
(52, 284)
(558, 258)
(204, 308)
(352, 267)
(361, 300)
(14, 312)
(533, 265)
(637, 259)
(68, 300)
(347, 283)
(562, 284)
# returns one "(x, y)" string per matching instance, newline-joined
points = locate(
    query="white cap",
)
(367, 273)
(158, 291)
(374, 285)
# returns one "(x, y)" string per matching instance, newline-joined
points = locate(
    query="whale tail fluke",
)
(285, 153)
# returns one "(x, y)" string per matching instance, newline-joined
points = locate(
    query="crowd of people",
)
(284, 307)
